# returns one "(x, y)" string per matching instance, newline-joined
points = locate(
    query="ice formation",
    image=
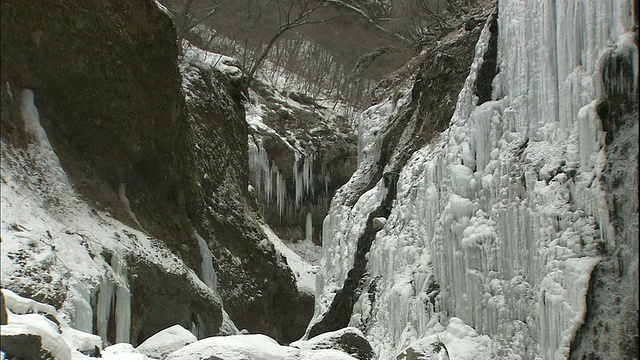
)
(27, 316)
(209, 276)
(268, 178)
(308, 230)
(498, 221)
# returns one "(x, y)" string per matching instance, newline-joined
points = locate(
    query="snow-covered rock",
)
(122, 351)
(429, 348)
(33, 328)
(349, 340)
(253, 347)
(166, 341)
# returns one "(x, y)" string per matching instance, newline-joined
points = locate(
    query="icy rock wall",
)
(501, 221)
(56, 248)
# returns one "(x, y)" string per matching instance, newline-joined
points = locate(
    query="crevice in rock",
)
(442, 74)
(489, 69)
(339, 313)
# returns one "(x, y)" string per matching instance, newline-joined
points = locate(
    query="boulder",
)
(166, 341)
(429, 348)
(349, 340)
(21, 346)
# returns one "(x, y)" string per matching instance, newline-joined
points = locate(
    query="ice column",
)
(105, 297)
(209, 276)
(123, 301)
(309, 227)
(114, 290)
(263, 176)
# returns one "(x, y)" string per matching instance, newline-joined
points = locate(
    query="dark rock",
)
(610, 328)
(470, 24)
(425, 349)
(349, 340)
(302, 98)
(303, 314)
(489, 67)
(259, 293)
(3, 310)
(161, 299)
(22, 346)
(355, 345)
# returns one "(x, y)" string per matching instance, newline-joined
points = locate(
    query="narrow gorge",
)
(468, 190)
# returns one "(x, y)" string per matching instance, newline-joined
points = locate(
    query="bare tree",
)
(291, 15)
(188, 14)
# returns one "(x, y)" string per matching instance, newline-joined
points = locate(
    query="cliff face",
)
(104, 82)
(496, 205)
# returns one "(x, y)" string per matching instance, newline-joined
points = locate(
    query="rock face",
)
(3, 310)
(109, 91)
(300, 155)
(23, 346)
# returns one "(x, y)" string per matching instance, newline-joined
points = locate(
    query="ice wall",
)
(500, 221)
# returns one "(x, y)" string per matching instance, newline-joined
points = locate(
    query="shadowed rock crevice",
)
(339, 313)
(443, 72)
(489, 68)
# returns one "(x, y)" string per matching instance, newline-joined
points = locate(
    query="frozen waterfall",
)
(498, 222)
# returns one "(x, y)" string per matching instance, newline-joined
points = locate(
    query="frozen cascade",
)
(261, 168)
(114, 294)
(82, 318)
(126, 204)
(209, 276)
(268, 178)
(103, 312)
(302, 176)
(498, 222)
(123, 301)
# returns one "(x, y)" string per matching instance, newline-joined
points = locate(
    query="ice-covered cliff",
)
(502, 218)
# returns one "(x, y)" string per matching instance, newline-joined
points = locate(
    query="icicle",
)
(106, 293)
(298, 182)
(302, 177)
(115, 292)
(309, 227)
(123, 301)
(126, 204)
(281, 193)
(209, 276)
(82, 318)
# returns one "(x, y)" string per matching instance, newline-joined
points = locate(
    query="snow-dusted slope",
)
(501, 219)
(61, 251)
